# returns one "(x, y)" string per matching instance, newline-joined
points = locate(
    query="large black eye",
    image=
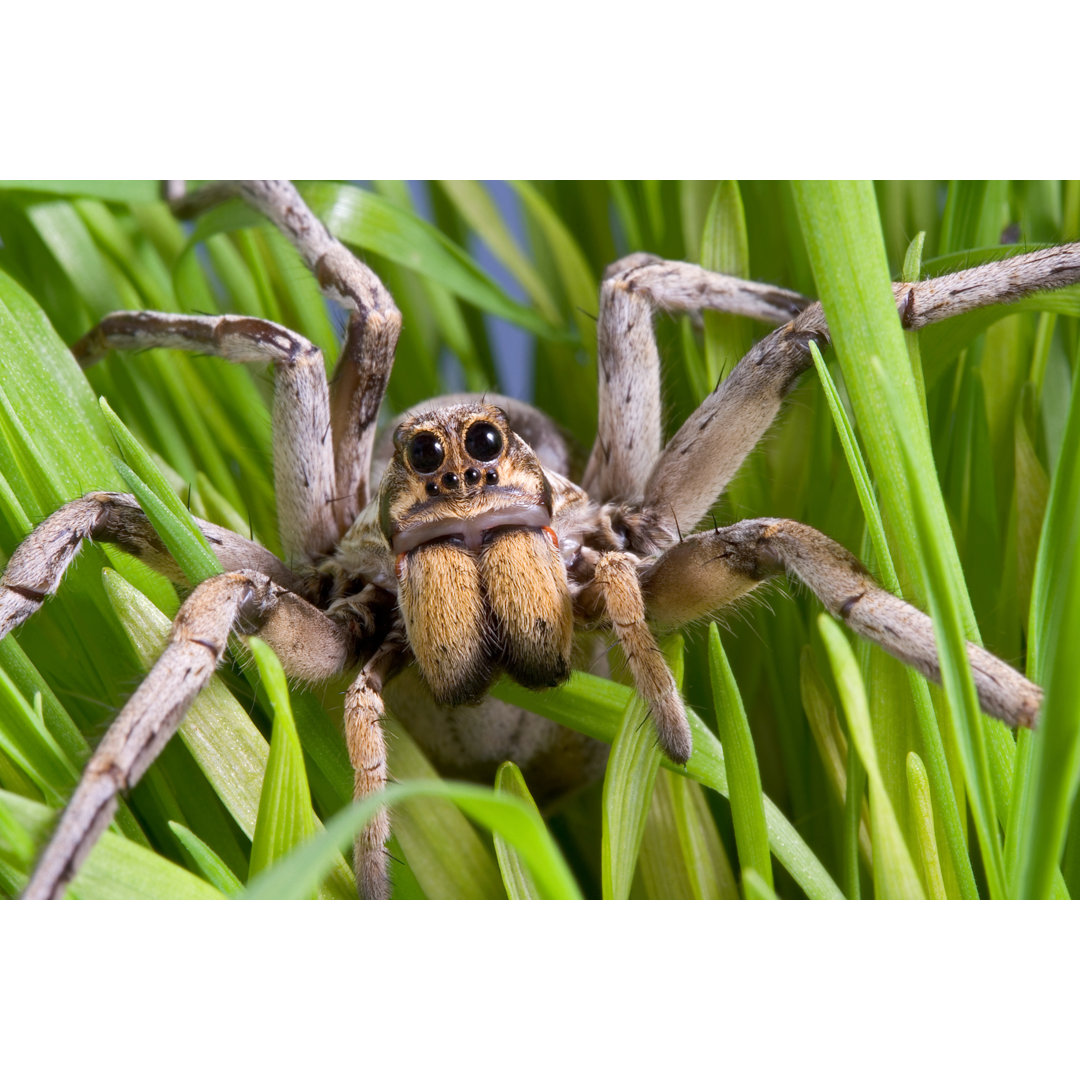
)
(484, 441)
(426, 452)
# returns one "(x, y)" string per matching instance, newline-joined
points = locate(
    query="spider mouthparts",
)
(469, 531)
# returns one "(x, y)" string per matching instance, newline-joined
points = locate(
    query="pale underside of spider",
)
(460, 547)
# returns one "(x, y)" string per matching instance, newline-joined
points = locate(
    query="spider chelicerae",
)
(458, 546)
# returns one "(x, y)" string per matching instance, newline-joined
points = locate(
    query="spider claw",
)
(676, 741)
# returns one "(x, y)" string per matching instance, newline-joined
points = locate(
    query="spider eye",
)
(483, 441)
(426, 452)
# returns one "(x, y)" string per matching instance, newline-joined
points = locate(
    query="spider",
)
(458, 547)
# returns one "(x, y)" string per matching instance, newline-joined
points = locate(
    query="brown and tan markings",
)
(463, 547)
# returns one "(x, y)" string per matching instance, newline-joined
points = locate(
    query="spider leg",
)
(367, 354)
(628, 437)
(367, 752)
(34, 571)
(615, 583)
(704, 454)
(303, 454)
(712, 568)
(310, 645)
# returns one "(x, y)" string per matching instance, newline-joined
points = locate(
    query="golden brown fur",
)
(479, 554)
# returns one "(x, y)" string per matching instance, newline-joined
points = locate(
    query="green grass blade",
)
(577, 279)
(212, 867)
(1055, 748)
(923, 811)
(23, 465)
(624, 206)
(519, 884)
(38, 371)
(444, 310)
(69, 241)
(968, 723)
(285, 818)
(856, 824)
(572, 278)
(854, 458)
(756, 888)
(145, 272)
(109, 190)
(740, 760)
(975, 213)
(843, 236)
(913, 271)
(26, 741)
(725, 248)
(595, 707)
(682, 853)
(844, 771)
(299, 873)
(1032, 495)
(475, 204)
(444, 852)
(16, 843)
(703, 853)
(162, 506)
(116, 868)
(661, 869)
(895, 876)
(628, 787)
(933, 749)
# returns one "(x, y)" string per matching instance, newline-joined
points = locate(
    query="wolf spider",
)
(459, 547)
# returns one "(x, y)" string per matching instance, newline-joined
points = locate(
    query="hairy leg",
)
(615, 586)
(367, 354)
(34, 571)
(364, 710)
(303, 455)
(310, 646)
(628, 437)
(705, 453)
(710, 569)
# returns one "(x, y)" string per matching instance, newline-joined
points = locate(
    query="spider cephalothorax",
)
(481, 552)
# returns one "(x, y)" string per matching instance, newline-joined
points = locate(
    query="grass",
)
(946, 461)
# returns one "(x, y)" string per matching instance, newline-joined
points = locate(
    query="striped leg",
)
(616, 579)
(703, 455)
(34, 572)
(310, 645)
(367, 355)
(710, 569)
(303, 454)
(628, 439)
(367, 751)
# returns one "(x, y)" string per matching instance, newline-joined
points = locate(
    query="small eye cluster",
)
(483, 442)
